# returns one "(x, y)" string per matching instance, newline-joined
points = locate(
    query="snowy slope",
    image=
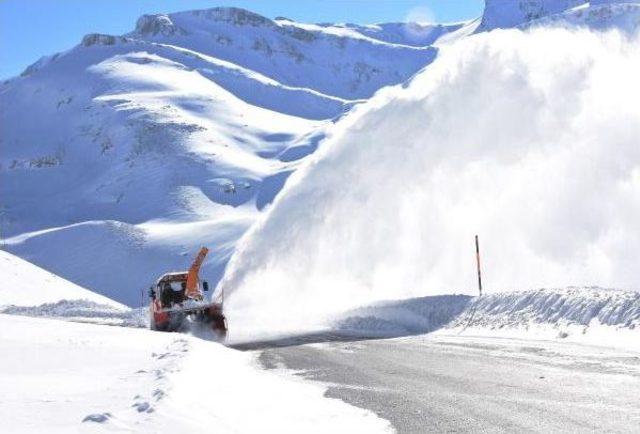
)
(24, 284)
(89, 378)
(143, 147)
(339, 63)
(525, 138)
(400, 34)
(126, 138)
(512, 13)
(599, 14)
(504, 14)
(596, 14)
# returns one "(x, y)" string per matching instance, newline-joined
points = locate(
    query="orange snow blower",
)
(179, 296)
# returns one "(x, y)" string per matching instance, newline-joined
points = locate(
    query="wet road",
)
(462, 384)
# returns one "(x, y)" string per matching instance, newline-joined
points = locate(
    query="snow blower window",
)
(176, 286)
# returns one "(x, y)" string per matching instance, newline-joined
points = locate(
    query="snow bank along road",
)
(455, 383)
(58, 376)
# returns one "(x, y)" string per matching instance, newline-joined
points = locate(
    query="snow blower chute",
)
(179, 296)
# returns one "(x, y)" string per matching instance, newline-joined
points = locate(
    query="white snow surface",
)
(589, 315)
(594, 316)
(527, 138)
(143, 147)
(84, 311)
(99, 378)
(595, 14)
(93, 378)
(511, 13)
(24, 284)
(602, 15)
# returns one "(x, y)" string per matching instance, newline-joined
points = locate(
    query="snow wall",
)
(528, 139)
(526, 312)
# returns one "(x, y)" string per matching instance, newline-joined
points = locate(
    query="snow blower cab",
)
(178, 298)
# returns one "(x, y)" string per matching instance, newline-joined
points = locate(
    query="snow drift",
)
(24, 284)
(528, 139)
(84, 311)
(593, 315)
(89, 378)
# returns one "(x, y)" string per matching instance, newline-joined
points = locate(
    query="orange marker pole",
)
(478, 263)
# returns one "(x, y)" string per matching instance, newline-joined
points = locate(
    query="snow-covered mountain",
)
(621, 14)
(140, 148)
(124, 154)
(223, 96)
(336, 61)
(511, 13)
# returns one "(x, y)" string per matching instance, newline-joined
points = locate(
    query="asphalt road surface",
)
(462, 384)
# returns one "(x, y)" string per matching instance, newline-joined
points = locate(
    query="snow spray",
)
(528, 137)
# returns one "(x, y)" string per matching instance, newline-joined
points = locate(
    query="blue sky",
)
(33, 28)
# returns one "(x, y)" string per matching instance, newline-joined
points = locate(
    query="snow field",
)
(24, 284)
(185, 125)
(93, 378)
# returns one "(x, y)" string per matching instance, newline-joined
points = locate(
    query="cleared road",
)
(462, 384)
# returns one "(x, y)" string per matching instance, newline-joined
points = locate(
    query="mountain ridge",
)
(195, 125)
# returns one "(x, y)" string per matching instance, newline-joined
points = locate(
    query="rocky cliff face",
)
(153, 25)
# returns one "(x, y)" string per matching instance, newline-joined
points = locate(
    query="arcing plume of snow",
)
(528, 139)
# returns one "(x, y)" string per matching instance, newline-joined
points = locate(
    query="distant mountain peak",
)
(518, 13)
(233, 15)
(159, 24)
(511, 13)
